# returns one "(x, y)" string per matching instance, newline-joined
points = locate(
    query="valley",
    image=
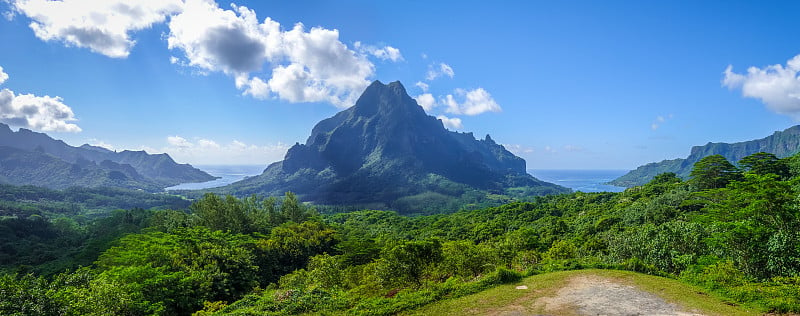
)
(205, 158)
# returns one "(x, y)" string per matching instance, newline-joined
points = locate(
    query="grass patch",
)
(505, 298)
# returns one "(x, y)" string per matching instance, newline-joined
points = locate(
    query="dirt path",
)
(587, 292)
(595, 295)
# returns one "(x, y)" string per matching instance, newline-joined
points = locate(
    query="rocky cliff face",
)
(782, 143)
(384, 148)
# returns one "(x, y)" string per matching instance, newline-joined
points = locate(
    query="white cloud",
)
(659, 121)
(453, 123)
(100, 143)
(426, 101)
(202, 151)
(265, 60)
(474, 102)
(207, 143)
(179, 142)
(3, 75)
(9, 15)
(422, 85)
(450, 102)
(518, 149)
(46, 113)
(302, 66)
(442, 69)
(777, 86)
(385, 53)
(572, 148)
(101, 26)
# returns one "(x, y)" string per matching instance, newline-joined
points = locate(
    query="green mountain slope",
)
(59, 163)
(20, 167)
(386, 152)
(782, 143)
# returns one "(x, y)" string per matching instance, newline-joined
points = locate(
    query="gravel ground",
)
(593, 295)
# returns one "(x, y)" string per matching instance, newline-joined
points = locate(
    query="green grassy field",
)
(506, 299)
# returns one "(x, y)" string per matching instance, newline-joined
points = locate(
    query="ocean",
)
(578, 180)
(228, 174)
(581, 180)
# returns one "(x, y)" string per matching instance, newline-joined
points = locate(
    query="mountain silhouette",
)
(31, 158)
(386, 152)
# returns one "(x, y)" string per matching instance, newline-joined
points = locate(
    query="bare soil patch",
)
(595, 295)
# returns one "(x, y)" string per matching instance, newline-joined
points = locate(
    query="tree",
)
(175, 273)
(713, 172)
(290, 246)
(755, 224)
(406, 262)
(294, 210)
(765, 163)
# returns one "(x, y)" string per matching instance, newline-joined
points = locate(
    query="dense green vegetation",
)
(731, 230)
(79, 203)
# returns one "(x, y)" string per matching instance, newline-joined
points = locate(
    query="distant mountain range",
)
(31, 158)
(782, 144)
(386, 152)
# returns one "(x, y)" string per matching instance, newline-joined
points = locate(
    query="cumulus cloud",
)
(46, 113)
(101, 26)
(206, 151)
(426, 101)
(777, 86)
(385, 53)
(178, 141)
(301, 65)
(453, 123)
(265, 60)
(474, 102)
(436, 71)
(207, 143)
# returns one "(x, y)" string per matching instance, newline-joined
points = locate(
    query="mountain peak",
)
(384, 150)
(386, 100)
(396, 86)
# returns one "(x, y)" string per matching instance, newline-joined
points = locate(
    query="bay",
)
(587, 180)
(581, 180)
(228, 174)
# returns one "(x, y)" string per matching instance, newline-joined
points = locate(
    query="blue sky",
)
(565, 85)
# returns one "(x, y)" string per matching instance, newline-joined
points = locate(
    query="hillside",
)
(782, 143)
(31, 158)
(736, 242)
(386, 152)
(20, 167)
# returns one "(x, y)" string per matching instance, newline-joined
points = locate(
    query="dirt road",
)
(595, 295)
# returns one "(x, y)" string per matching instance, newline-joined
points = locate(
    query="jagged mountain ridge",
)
(386, 148)
(86, 165)
(781, 143)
